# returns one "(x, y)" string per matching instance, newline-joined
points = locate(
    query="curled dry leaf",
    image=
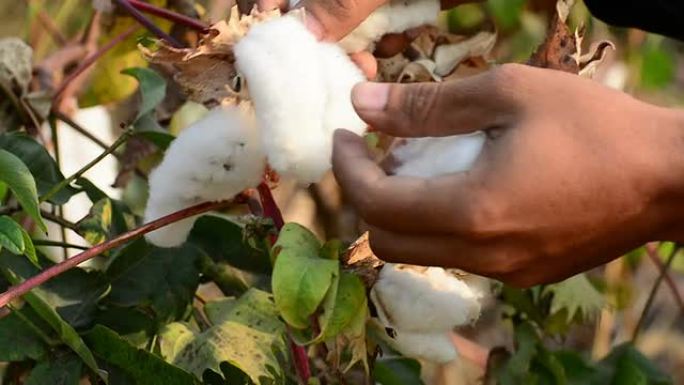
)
(592, 60)
(207, 73)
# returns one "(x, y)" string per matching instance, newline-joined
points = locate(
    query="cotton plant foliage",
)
(278, 94)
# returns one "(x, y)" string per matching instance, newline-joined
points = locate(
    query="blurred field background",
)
(645, 65)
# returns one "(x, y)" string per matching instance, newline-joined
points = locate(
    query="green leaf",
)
(11, 235)
(517, 369)
(173, 338)
(225, 241)
(74, 294)
(248, 335)
(165, 279)
(344, 302)
(18, 178)
(18, 341)
(575, 295)
(626, 363)
(64, 331)
(134, 324)
(141, 366)
(41, 164)
(397, 371)
(30, 249)
(506, 13)
(300, 278)
(63, 370)
(152, 88)
(658, 65)
(95, 227)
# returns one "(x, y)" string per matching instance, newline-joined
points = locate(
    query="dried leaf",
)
(448, 56)
(589, 62)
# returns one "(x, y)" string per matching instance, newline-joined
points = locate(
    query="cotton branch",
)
(147, 23)
(54, 271)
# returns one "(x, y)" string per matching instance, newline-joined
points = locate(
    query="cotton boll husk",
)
(435, 347)
(301, 90)
(213, 159)
(394, 17)
(417, 299)
(429, 157)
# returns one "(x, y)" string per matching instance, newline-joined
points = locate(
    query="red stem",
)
(169, 15)
(46, 275)
(270, 207)
(89, 61)
(147, 23)
(271, 210)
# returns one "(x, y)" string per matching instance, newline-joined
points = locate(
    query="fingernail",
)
(370, 96)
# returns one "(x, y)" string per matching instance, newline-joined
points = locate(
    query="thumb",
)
(331, 20)
(431, 109)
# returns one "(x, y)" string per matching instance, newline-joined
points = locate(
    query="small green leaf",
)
(626, 363)
(300, 277)
(576, 295)
(30, 249)
(18, 178)
(63, 370)
(152, 88)
(11, 235)
(141, 366)
(95, 227)
(41, 164)
(344, 302)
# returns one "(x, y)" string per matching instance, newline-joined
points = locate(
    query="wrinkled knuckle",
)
(421, 100)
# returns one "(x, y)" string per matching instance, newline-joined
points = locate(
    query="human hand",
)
(572, 175)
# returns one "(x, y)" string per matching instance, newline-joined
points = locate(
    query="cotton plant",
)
(287, 94)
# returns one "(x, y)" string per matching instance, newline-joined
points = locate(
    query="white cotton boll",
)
(429, 157)
(301, 90)
(434, 347)
(341, 76)
(394, 17)
(417, 299)
(213, 159)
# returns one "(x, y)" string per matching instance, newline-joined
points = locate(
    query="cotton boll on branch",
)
(394, 17)
(301, 90)
(423, 299)
(429, 157)
(213, 159)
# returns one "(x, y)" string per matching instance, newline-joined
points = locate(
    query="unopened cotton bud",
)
(301, 90)
(419, 299)
(213, 159)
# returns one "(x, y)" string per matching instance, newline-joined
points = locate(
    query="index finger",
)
(398, 203)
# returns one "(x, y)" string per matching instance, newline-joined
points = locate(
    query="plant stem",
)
(654, 291)
(87, 62)
(271, 210)
(58, 220)
(47, 242)
(147, 23)
(653, 254)
(270, 207)
(54, 190)
(45, 275)
(71, 123)
(169, 15)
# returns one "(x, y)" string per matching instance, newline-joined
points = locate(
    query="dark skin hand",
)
(573, 174)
